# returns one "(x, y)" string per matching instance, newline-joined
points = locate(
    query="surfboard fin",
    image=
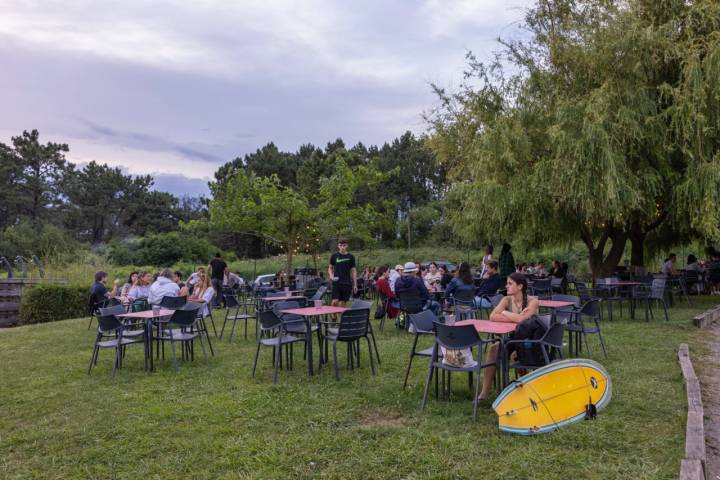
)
(590, 411)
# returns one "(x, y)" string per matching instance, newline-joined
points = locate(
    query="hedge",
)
(48, 303)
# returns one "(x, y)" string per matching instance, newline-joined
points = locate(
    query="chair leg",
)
(335, 362)
(412, 354)
(222, 329)
(477, 393)
(90, 323)
(602, 344)
(372, 361)
(587, 345)
(377, 352)
(212, 321)
(92, 357)
(172, 346)
(232, 330)
(257, 354)
(277, 357)
(202, 345)
(427, 384)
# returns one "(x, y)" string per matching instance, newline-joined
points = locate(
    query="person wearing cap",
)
(343, 273)
(409, 282)
(394, 275)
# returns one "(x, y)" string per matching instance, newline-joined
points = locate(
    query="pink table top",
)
(164, 312)
(276, 299)
(555, 303)
(312, 311)
(621, 283)
(486, 326)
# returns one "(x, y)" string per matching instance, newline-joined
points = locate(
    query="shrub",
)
(162, 250)
(49, 303)
(47, 241)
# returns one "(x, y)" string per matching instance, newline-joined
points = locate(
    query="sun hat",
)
(399, 267)
(410, 267)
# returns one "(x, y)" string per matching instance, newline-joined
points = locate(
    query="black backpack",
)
(530, 354)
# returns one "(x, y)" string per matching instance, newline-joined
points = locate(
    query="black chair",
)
(298, 325)
(550, 342)
(173, 303)
(353, 327)
(580, 330)
(318, 295)
(423, 323)
(463, 303)
(232, 314)
(541, 287)
(611, 294)
(359, 304)
(110, 326)
(410, 302)
(494, 300)
(186, 318)
(565, 315)
(132, 328)
(653, 294)
(558, 285)
(456, 337)
(272, 334)
(384, 301)
(93, 308)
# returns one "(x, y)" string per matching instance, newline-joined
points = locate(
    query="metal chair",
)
(173, 303)
(457, 338)
(423, 323)
(359, 304)
(463, 303)
(272, 334)
(653, 294)
(353, 327)
(297, 325)
(110, 326)
(232, 303)
(410, 302)
(541, 287)
(578, 327)
(186, 318)
(552, 340)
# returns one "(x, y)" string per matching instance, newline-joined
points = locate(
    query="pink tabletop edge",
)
(148, 314)
(310, 311)
(555, 303)
(290, 297)
(486, 326)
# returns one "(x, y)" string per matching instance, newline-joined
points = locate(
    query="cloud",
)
(180, 185)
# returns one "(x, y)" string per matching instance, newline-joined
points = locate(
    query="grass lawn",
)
(215, 421)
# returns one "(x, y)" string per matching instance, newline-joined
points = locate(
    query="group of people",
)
(708, 271)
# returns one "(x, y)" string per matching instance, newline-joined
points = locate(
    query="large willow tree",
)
(603, 125)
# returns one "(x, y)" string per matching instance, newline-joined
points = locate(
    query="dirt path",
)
(709, 375)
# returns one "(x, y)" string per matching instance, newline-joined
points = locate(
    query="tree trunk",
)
(601, 264)
(637, 250)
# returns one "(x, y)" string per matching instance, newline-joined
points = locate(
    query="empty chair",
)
(186, 318)
(463, 303)
(359, 304)
(611, 294)
(456, 338)
(352, 328)
(564, 315)
(541, 287)
(580, 329)
(653, 294)
(557, 284)
(318, 295)
(423, 323)
(236, 312)
(273, 335)
(110, 326)
(298, 325)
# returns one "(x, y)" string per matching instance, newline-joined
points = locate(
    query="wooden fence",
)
(11, 291)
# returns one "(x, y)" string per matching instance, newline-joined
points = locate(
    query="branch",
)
(656, 223)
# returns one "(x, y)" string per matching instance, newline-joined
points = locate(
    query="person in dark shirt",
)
(445, 277)
(343, 273)
(489, 285)
(507, 261)
(218, 269)
(98, 291)
(409, 282)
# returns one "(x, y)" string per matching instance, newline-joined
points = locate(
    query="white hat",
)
(398, 267)
(410, 267)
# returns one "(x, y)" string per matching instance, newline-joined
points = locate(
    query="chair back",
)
(496, 299)
(114, 310)
(186, 315)
(359, 304)
(410, 302)
(583, 291)
(554, 335)
(231, 301)
(310, 293)
(172, 303)
(541, 286)
(465, 296)
(354, 324)
(556, 282)
(319, 293)
(140, 305)
(456, 337)
(591, 308)
(268, 320)
(691, 276)
(463, 309)
(423, 321)
(108, 323)
(658, 288)
(287, 305)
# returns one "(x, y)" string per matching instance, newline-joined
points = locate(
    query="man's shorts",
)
(341, 291)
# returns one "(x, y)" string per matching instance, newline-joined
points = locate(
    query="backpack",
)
(530, 354)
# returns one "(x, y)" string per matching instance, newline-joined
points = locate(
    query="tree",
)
(590, 129)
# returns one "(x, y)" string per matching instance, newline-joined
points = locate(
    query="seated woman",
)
(141, 287)
(432, 278)
(445, 277)
(383, 286)
(463, 282)
(203, 293)
(516, 307)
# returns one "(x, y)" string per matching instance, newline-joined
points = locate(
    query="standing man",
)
(343, 274)
(218, 269)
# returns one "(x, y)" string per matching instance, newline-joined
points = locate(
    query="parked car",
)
(265, 280)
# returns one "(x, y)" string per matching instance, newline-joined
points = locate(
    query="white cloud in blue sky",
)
(178, 88)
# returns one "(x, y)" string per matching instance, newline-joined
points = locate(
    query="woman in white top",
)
(203, 293)
(141, 288)
(486, 259)
(432, 278)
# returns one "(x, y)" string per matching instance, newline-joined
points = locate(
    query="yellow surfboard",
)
(555, 395)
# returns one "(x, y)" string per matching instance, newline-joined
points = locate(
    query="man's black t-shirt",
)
(98, 293)
(218, 267)
(342, 265)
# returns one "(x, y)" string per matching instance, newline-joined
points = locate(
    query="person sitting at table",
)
(233, 280)
(393, 276)
(556, 270)
(432, 277)
(713, 272)
(409, 282)
(141, 288)
(164, 286)
(98, 292)
(540, 269)
(177, 278)
(203, 293)
(193, 279)
(668, 268)
(489, 286)
(125, 290)
(382, 285)
(516, 307)
(445, 277)
(463, 281)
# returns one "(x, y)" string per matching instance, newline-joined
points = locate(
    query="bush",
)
(49, 303)
(161, 250)
(47, 241)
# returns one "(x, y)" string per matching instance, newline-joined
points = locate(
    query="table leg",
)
(309, 342)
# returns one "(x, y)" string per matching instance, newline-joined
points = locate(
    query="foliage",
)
(49, 303)
(45, 240)
(585, 130)
(220, 422)
(161, 250)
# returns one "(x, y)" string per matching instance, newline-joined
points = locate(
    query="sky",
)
(177, 88)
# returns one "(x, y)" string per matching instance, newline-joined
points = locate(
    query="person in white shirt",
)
(668, 268)
(193, 278)
(164, 286)
(394, 275)
(233, 280)
(203, 293)
(141, 289)
(432, 278)
(486, 259)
